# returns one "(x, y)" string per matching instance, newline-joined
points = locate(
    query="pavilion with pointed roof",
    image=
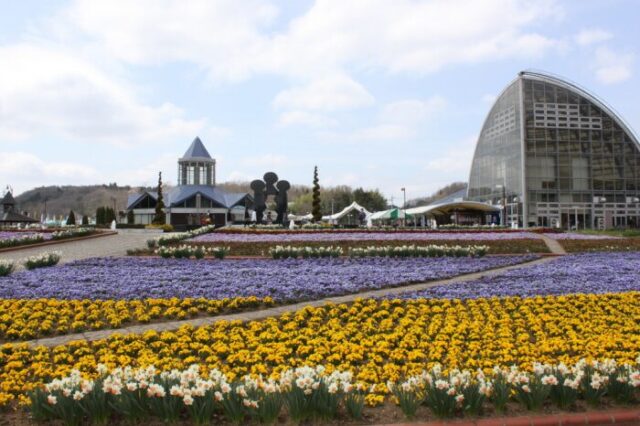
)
(196, 200)
(8, 213)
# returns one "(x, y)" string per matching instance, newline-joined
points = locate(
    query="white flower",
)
(188, 400)
(217, 396)
(526, 389)
(78, 395)
(52, 400)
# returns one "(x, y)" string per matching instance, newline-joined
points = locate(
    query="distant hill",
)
(440, 193)
(84, 200)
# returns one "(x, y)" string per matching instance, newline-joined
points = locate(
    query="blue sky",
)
(378, 93)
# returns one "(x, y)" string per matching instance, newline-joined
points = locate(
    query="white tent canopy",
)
(299, 218)
(446, 207)
(351, 207)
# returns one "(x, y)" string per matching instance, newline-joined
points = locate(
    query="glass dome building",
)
(552, 154)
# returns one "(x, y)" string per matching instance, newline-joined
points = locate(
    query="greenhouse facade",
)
(552, 154)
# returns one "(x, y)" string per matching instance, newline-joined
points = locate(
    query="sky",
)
(377, 93)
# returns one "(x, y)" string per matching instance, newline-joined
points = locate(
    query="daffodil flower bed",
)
(24, 319)
(14, 239)
(286, 252)
(420, 251)
(187, 252)
(179, 236)
(6, 267)
(377, 340)
(43, 260)
(137, 395)
(71, 233)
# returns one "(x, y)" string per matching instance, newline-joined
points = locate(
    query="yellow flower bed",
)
(376, 340)
(28, 319)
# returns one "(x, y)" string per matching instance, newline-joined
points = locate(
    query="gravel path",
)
(110, 245)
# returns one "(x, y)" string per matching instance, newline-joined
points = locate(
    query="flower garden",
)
(546, 334)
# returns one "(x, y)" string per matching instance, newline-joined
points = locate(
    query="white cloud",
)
(54, 93)
(23, 170)
(222, 35)
(612, 67)
(412, 111)
(455, 160)
(592, 36)
(233, 40)
(382, 132)
(489, 98)
(304, 118)
(330, 93)
(268, 160)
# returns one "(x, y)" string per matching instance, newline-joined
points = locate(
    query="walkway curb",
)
(601, 418)
(54, 242)
(270, 312)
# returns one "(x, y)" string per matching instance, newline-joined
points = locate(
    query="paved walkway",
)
(272, 312)
(554, 245)
(110, 245)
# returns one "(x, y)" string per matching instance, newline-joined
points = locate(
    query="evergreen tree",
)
(71, 219)
(100, 216)
(159, 218)
(85, 220)
(315, 205)
(109, 215)
(130, 217)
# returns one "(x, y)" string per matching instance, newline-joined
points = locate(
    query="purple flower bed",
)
(5, 235)
(284, 280)
(575, 236)
(222, 237)
(581, 273)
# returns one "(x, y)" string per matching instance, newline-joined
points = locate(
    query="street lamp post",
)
(404, 206)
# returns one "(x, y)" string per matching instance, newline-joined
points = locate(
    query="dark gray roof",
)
(196, 150)
(13, 217)
(8, 199)
(179, 194)
(133, 199)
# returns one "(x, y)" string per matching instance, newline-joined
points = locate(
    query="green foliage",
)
(315, 209)
(160, 217)
(43, 260)
(6, 267)
(85, 220)
(130, 217)
(71, 219)
(105, 215)
(371, 200)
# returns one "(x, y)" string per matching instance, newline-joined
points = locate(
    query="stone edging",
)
(618, 417)
(269, 312)
(54, 242)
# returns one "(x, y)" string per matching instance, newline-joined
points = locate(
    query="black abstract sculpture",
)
(266, 187)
